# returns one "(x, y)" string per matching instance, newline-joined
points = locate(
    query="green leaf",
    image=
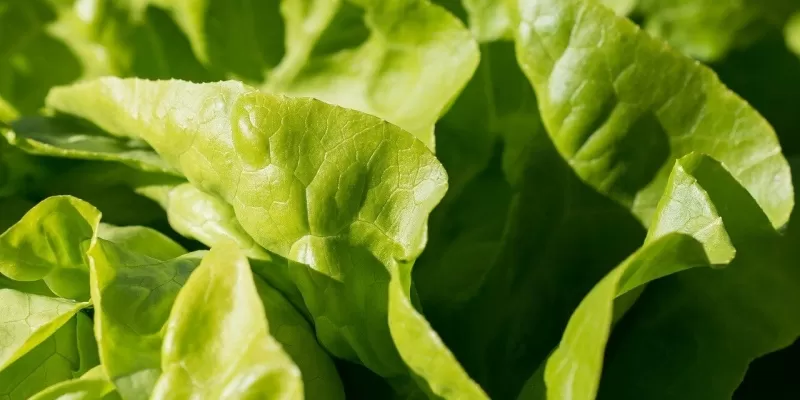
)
(523, 264)
(621, 7)
(678, 319)
(135, 294)
(247, 52)
(206, 218)
(48, 244)
(93, 385)
(27, 320)
(32, 59)
(58, 358)
(491, 20)
(143, 240)
(217, 342)
(497, 107)
(503, 242)
(408, 68)
(776, 89)
(297, 338)
(708, 29)
(30, 287)
(132, 295)
(687, 232)
(435, 368)
(210, 220)
(690, 328)
(686, 208)
(146, 42)
(621, 112)
(58, 138)
(86, 344)
(48, 43)
(7, 112)
(792, 33)
(114, 188)
(573, 370)
(343, 195)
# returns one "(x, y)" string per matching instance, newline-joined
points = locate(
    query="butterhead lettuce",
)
(411, 199)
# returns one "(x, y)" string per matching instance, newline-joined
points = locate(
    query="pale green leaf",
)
(792, 33)
(343, 195)
(217, 342)
(136, 293)
(48, 244)
(621, 7)
(142, 240)
(440, 374)
(132, 295)
(93, 385)
(491, 20)
(26, 320)
(209, 220)
(412, 63)
(56, 359)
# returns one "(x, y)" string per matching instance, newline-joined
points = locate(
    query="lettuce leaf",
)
(47, 245)
(708, 30)
(216, 339)
(91, 385)
(61, 356)
(411, 59)
(350, 250)
(602, 217)
(134, 295)
(619, 128)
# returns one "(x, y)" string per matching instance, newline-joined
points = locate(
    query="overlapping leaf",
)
(48, 244)
(620, 112)
(332, 205)
(342, 195)
(210, 220)
(93, 385)
(687, 232)
(681, 321)
(48, 43)
(405, 61)
(134, 292)
(67, 352)
(217, 342)
(708, 29)
(60, 138)
(28, 320)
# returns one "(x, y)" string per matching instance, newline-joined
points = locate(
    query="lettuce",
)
(523, 199)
